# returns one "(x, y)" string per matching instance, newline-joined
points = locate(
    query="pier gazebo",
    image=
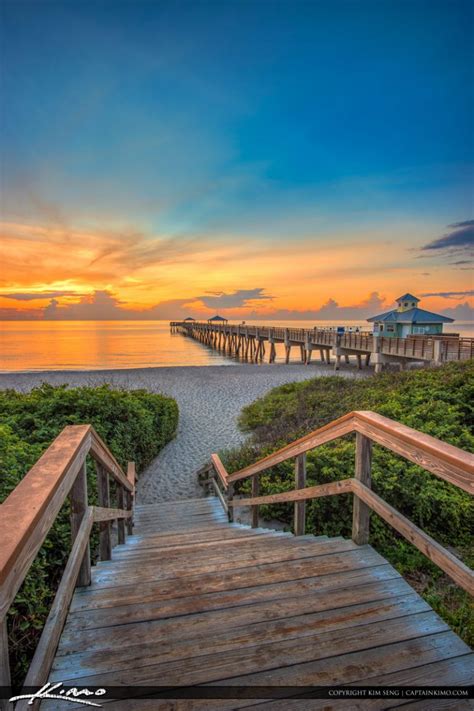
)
(217, 319)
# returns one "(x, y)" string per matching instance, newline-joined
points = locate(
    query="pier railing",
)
(28, 514)
(249, 340)
(443, 460)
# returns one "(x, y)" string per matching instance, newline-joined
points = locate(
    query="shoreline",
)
(210, 399)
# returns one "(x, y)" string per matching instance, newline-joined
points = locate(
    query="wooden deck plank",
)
(180, 638)
(339, 670)
(189, 625)
(216, 666)
(162, 539)
(458, 670)
(229, 586)
(274, 599)
(351, 565)
(253, 550)
(191, 546)
(249, 543)
(321, 562)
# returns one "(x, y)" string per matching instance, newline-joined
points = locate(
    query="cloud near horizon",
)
(451, 294)
(103, 305)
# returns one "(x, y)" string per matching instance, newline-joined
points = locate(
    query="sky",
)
(269, 159)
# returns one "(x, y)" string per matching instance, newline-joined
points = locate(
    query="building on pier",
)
(217, 319)
(408, 320)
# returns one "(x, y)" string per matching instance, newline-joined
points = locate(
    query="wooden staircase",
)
(191, 599)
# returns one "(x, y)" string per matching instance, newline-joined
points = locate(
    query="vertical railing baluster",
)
(300, 506)
(5, 678)
(103, 491)
(78, 498)
(130, 495)
(120, 521)
(230, 496)
(363, 473)
(255, 492)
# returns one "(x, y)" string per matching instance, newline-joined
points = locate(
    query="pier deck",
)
(249, 342)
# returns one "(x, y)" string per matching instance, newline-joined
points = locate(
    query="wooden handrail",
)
(30, 510)
(104, 456)
(440, 458)
(220, 470)
(445, 560)
(343, 486)
(28, 514)
(444, 460)
(46, 648)
(338, 428)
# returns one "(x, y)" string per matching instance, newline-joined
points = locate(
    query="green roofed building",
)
(408, 319)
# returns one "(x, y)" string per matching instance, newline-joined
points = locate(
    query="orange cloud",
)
(143, 270)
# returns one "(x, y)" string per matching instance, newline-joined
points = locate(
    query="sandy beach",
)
(210, 399)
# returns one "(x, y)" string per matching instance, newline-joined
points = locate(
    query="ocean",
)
(98, 345)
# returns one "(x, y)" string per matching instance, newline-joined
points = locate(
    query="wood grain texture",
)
(300, 506)
(4, 661)
(78, 496)
(104, 456)
(220, 470)
(30, 510)
(444, 460)
(44, 654)
(344, 425)
(108, 514)
(344, 486)
(219, 495)
(120, 497)
(103, 497)
(363, 473)
(445, 560)
(255, 493)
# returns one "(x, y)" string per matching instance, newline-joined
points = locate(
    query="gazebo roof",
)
(189, 318)
(217, 318)
(411, 316)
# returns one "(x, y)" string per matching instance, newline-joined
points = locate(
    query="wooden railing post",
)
(230, 496)
(78, 497)
(363, 469)
(103, 491)
(120, 521)
(131, 474)
(5, 679)
(300, 506)
(255, 492)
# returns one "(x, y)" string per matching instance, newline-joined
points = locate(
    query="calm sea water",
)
(89, 345)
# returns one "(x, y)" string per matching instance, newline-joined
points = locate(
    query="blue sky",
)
(316, 122)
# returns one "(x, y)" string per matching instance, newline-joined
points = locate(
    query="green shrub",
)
(135, 425)
(435, 401)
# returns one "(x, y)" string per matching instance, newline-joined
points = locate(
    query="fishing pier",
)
(250, 342)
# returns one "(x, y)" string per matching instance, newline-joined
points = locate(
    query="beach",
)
(210, 399)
